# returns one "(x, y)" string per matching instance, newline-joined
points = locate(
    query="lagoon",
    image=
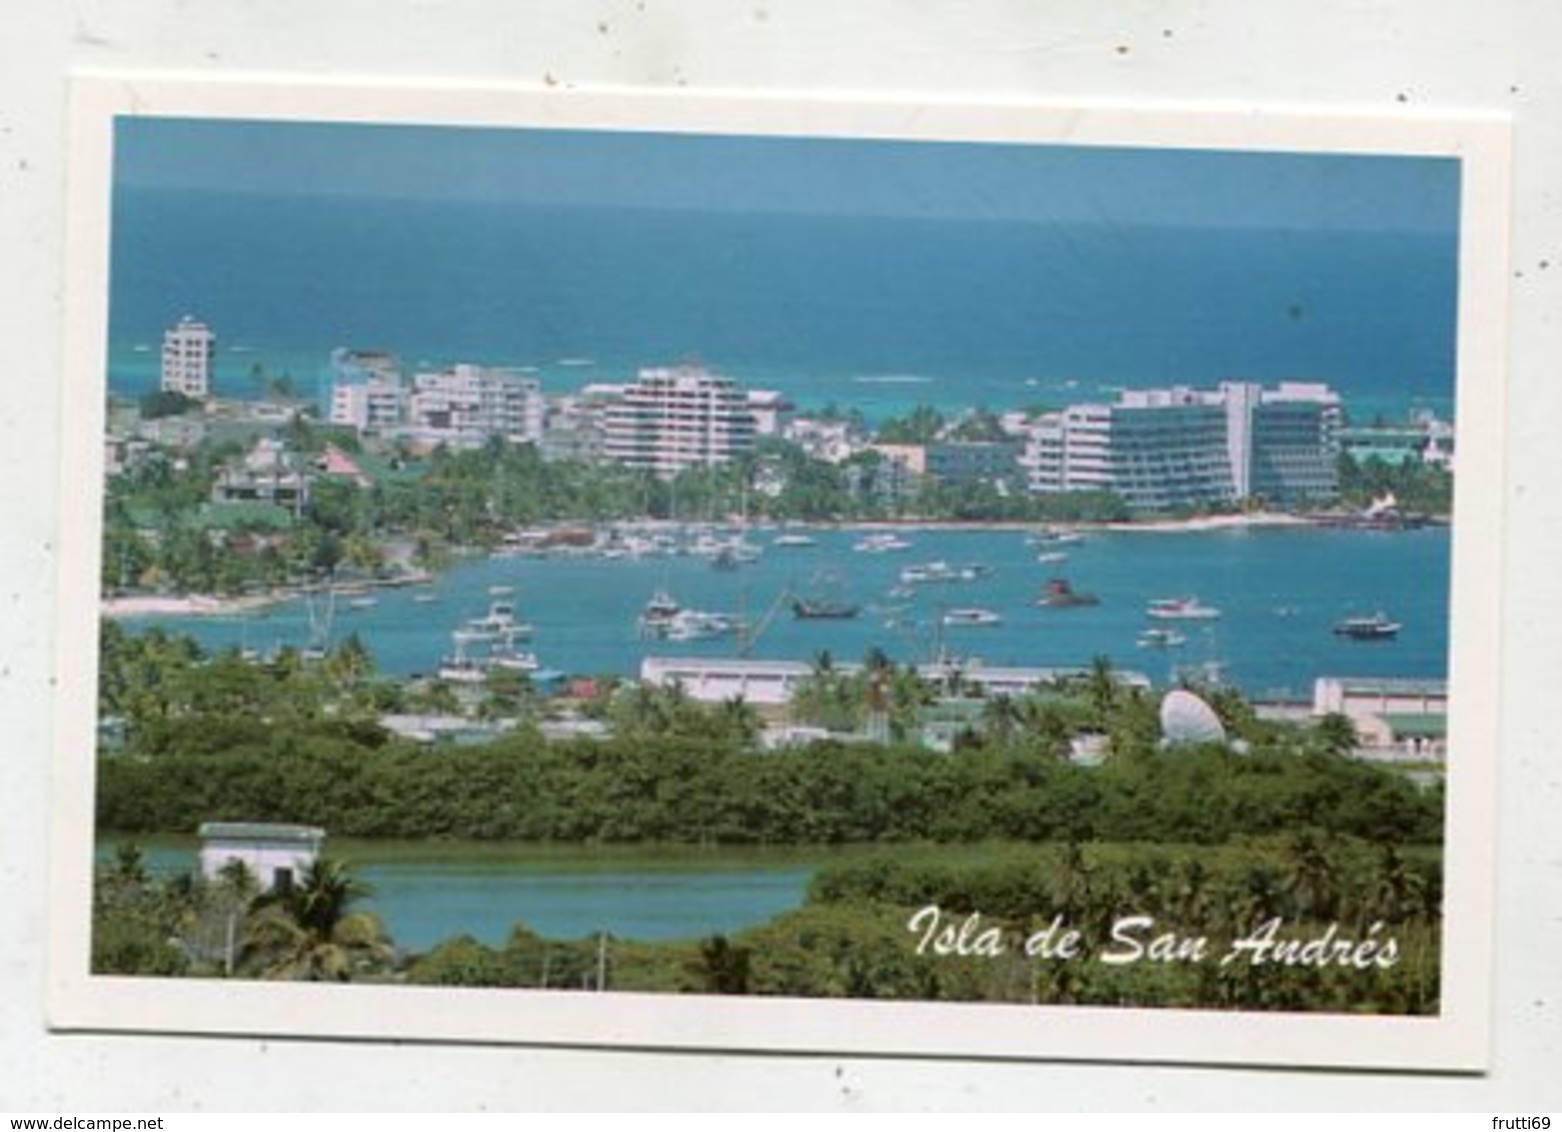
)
(427, 892)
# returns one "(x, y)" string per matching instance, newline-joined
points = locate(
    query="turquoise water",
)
(485, 891)
(1001, 314)
(1279, 592)
(423, 903)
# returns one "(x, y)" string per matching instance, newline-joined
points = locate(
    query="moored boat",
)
(1059, 593)
(880, 544)
(658, 614)
(1181, 609)
(972, 616)
(823, 609)
(1377, 627)
(499, 621)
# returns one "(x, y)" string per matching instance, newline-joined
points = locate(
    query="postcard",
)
(710, 571)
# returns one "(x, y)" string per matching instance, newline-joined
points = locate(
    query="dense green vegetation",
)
(230, 739)
(1289, 922)
(161, 530)
(229, 926)
(224, 737)
(1203, 839)
(1421, 489)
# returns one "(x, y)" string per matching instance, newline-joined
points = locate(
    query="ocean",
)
(874, 313)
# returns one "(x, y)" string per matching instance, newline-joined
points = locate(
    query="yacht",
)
(880, 544)
(972, 616)
(942, 572)
(1059, 593)
(499, 621)
(656, 617)
(1375, 628)
(1181, 609)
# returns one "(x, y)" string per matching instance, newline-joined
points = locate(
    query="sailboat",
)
(825, 602)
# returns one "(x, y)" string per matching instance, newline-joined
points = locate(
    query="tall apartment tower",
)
(676, 418)
(189, 353)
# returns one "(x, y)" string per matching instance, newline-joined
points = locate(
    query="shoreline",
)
(214, 606)
(211, 605)
(187, 605)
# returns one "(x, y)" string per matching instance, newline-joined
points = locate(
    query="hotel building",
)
(468, 404)
(367, 393)
(679, 417)
(189, 355)
(1163, 449)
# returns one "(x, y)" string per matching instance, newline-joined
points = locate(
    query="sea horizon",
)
(877, 314)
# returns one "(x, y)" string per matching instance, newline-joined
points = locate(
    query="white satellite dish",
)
(1185, 718)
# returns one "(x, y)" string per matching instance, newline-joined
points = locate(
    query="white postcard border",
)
(1456, 1040)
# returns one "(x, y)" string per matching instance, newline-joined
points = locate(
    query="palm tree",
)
(1101, 687)
(1337, 733)
(308, 931)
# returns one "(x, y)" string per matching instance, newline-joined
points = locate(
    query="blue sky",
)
(853, 177)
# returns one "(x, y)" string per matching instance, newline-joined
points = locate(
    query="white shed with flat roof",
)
(276, 853)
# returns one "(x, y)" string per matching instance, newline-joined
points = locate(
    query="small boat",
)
(499, 621)
(425, 598)
(825, 599)
(454, 670)
(1158, 638)
(942, 572)
(823, 610)
(1181, 609)
(793, 540)
(514, 661)
(365, 602)
(880, 544)
(1054, 536)
(1048, 556)
(500, 591)
(1375, 628)
(1058, 593)
(698, 625)
(656, 617)
(972, 617)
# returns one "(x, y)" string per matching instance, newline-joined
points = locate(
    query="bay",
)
(1279, 590)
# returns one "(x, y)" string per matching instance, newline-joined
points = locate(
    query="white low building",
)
(275, 854)
(763, 683)
(771, 683)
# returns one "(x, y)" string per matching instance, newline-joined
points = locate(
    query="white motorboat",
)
(1181, 609)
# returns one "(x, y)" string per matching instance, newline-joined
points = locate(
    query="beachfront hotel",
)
(672, 418)
(1161, 449)
(189, 353)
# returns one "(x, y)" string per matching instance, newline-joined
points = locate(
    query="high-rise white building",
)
(189, 356)
(678, 417)
(469, 404)
(1162, 449)
(367, 392)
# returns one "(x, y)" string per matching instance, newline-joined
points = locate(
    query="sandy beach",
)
(185, 605)
(1202, 523)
